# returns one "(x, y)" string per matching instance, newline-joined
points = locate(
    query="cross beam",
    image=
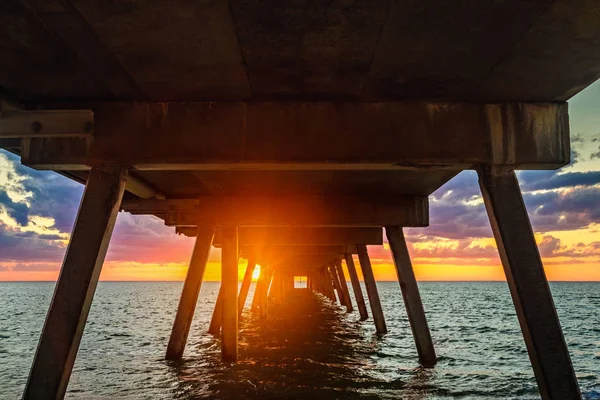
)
(20, 124)
(294, 250)
(299, 236)
(298, 254)
(313, 135)
(287, 210)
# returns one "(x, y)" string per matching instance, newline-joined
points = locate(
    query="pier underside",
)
(290, 135)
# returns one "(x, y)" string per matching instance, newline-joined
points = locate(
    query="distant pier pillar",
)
(229, 294)
(66, 318)
(246, 285)
(360, 300)
(189, 294)
(260, 300)
(528, 285)
(259, 285)
(344, 285)
(372, 291)
(336, 284)
(276, 289)
(328, 284)
(411, 296)
(215, 321)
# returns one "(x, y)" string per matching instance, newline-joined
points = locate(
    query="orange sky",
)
(383, 269)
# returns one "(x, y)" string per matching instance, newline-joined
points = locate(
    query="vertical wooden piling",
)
(528, 284)
(411, 296)
(189, 294)
(67, 316)
(344, 285)
(360, 300)
(229, 294)
(372, 292)
(246, 285)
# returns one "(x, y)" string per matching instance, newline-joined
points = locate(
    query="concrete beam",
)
(301, 236)
(293, 251)
(528, 285)
(143, 189)
(314, 136)
(46, 124)
(302, 262)
(288, 210)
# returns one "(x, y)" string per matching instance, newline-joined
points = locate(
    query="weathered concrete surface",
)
(344, 285)
(58, 345)
(245, 285)
(372, 292)
(360, 300)
(232, 50)
(190, 292)
(229, 295)
(230, 135)
(411, 296)
(261, 211)
(336, 284)
(193, 44)
(528, 285)
(300, 236)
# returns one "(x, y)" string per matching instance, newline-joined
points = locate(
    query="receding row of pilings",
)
(275, 282)
(101, 201)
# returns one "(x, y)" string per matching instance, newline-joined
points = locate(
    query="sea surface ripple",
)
(307, 349)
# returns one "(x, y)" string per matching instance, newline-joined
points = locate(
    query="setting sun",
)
(256, 273)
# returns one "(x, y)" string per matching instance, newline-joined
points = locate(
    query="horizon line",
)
(254, 281)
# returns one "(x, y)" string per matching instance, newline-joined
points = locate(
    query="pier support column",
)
(411, 296)
(246, 285)
(328, 284)
(259, 285)
(370, 284)
(344, 285)
(189, 294)
(528, 285)
(229, 294)
(275, 289)
(215, 321)
(264, 293)
(66, 318)
(336, 284)
(360, 300)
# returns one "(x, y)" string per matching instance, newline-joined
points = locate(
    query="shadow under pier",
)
(306, 348)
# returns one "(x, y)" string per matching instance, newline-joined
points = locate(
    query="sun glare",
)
(256, 273)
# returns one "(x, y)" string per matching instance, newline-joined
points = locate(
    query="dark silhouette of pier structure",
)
(291, 133)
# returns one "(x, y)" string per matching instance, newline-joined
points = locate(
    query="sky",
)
(38, 209)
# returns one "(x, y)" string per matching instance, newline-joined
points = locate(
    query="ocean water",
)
(309, 348)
